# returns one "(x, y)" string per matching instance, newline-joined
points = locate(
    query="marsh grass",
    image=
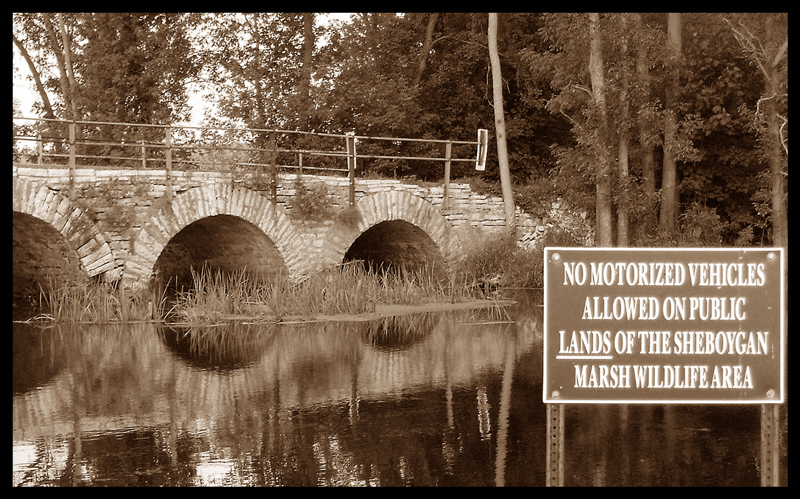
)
(217, 297)
(102, 303)
(346, 289)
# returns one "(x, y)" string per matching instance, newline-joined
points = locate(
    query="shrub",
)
(312, 202)
(349, 216)
(500, 260)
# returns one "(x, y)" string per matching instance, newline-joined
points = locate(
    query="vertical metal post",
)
(554, 476)
(232, 168)
(769, 445)
(300, 165)
(446, 190)
(72, 160)
(273, 169)
(168, 167)
(144, 154)
(351, 165)
(39, 148)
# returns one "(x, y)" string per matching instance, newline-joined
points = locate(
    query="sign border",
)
(777, 400)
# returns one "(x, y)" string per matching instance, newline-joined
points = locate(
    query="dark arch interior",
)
(222, 242)
(41, 255)
(395, 245)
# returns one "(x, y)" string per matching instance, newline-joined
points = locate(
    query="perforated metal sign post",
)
(682, 325)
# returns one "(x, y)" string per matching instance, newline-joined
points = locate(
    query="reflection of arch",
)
(400, 332)
(76, 226)
(202, 202)
(234, 346)
(38, 356)
(389, 206)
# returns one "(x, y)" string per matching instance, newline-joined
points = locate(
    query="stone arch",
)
(395, 205)
(67, 218)
(165, 222)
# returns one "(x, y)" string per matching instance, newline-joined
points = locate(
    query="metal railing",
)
(91, 144)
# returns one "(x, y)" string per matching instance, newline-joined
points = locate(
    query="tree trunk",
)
(779, 226)
(603, 213)
(500, 127)
(669, 197)
(648, 160)
(622, 163)
(62, 72)
(68, 63)
(780, 235)
(305, 77)
(262, 138)
(426, 47)
(768, 61)
(622, 202)
(48, 108)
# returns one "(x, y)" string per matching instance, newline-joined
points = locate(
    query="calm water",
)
(435, 399)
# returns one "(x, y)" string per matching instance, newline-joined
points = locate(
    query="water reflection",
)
(434, 399)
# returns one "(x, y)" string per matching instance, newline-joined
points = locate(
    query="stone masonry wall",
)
(120, 202)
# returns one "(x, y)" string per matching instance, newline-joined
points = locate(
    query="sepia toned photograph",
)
(400, 249)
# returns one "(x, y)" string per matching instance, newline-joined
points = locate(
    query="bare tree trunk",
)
(648, 160)
(669, 198)
(780, 234)
(68, 63)
(603, 213)
(622, 199)
(622, 202)
(500, 127)
(262, 138)
(779, 225)
(305, 77)
(62, 72)
(426, 47)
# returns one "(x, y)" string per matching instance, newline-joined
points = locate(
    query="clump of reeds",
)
(214, 295)
(100, 303)
(348, 289)
(345, 289)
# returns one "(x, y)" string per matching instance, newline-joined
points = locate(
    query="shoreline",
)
(381, 311)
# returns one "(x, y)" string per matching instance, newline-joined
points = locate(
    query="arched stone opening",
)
(395, 245)
(41, 254)
(224, 243)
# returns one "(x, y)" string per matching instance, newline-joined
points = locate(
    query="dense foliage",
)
(428, 76)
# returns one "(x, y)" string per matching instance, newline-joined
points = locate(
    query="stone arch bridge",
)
(124, 225)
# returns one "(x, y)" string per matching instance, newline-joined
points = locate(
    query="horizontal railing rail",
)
(90, 144)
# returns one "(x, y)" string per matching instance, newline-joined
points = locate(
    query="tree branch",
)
(48, 108)
(784, 142)
(781, 52)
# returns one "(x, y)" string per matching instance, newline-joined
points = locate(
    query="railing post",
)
(446, 190)
(300, 166)
(273, 169)
(72, 161)
(39, 148)
(144, 153)
(168, 168)
(351, 165)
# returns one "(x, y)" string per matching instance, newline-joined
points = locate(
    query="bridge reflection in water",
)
(425, 400)
(326, 403)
